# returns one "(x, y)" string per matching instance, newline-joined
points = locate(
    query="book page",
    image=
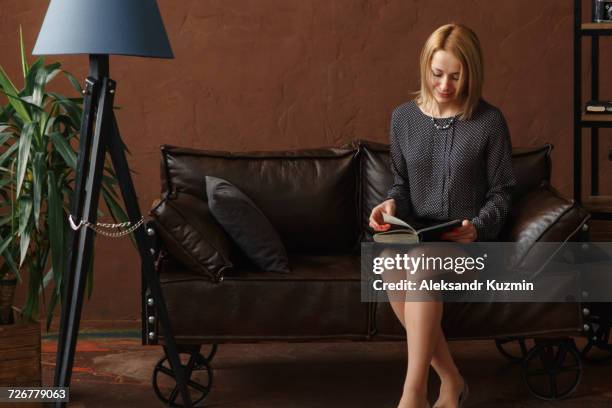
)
(389, 219)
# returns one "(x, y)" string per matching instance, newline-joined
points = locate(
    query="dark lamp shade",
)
(119, 27)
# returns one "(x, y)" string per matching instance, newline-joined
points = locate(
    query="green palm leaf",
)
(72, 110)
(24, 153)
(24, 62)
(30, 79)
(64, 149)
(38, 180)
(75, 84)
(56, 228)
(25, 236)
(27, 103)
(8, 154)
(10, 90)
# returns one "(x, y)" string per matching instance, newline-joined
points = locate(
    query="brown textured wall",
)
(281, 74)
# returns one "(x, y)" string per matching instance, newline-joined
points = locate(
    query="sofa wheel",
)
(552, 369)
(598, 349)
(513, 348)
(212, 352)
(199, 378)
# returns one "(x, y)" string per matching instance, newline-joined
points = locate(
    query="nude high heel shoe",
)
(464, 394)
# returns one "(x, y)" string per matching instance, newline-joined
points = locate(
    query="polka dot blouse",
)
(452, 169)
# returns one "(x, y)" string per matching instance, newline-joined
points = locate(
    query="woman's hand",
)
(463, 234)
(376, 217)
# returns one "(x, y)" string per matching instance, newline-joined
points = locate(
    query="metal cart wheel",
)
(552, 369)
(212, 352)
(599, 339)
(513, 348)
(199, 376)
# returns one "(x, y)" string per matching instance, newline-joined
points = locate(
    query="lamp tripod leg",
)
(83, 238)
(68, 278)
(120, 164)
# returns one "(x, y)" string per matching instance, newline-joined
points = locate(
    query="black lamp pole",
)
(129, 27)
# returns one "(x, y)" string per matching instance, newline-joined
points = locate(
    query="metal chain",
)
(100, 227)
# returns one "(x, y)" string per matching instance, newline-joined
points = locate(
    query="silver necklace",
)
(442, 127)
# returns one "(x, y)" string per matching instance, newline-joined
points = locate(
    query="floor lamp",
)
(101, 28)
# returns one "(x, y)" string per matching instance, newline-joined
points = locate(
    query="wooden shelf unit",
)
(598, 203)
(599, 206)
(599, 28)
(596, 117)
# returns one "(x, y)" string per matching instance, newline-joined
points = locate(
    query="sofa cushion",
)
(531, 168)
(309, 196)
(246, 224)
(192, 235)
(320, 299)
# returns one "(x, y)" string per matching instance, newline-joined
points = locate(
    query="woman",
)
(451, 159)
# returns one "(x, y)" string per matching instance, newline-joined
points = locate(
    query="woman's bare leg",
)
(442, 360)
(422, 321)
(425, 340)
(451, 382)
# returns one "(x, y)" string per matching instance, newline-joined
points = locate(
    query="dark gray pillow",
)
(246, 224)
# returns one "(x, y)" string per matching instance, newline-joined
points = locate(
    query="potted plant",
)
(39, 131)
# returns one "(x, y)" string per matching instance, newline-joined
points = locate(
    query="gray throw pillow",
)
(246, 224)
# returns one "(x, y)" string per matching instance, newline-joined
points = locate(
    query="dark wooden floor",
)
(116, 372)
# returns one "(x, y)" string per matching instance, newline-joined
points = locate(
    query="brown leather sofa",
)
(319, 201)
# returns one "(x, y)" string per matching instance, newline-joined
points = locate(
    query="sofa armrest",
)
(543, 215)
(189, 233)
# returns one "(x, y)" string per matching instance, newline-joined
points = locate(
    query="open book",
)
(403, 233)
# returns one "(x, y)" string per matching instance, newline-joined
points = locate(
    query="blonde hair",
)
(463, 44)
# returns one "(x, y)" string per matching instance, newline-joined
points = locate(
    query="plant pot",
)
(8, 284)
(20, 354)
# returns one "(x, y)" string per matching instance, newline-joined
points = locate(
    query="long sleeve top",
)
(452, 169)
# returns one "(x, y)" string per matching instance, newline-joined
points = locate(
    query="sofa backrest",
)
(531, 165)
(310, 196)
(319, 200)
